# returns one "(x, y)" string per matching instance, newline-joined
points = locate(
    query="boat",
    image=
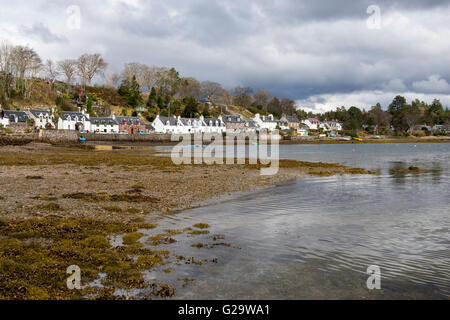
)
(357, 139)
(345, 139)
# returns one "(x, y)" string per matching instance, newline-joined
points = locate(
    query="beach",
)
(63, 206)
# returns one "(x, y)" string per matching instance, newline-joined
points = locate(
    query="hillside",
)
(46, 95)
(43, 94)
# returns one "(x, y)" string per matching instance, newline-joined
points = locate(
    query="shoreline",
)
(65, 138)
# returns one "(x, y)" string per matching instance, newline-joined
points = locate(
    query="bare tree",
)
(243, 96)
(190, 87)
(5, 57)
(287, 106)
(114, 79)
(51, 70)
(211, 90)
(151, 76)
(26, 63)
(134, 69)
(6, 78)
(68, 68)
(89, 65)
(262, 98)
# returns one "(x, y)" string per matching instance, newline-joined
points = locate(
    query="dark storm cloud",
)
(42, 32)
(312, 51)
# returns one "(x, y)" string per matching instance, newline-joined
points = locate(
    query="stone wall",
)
(16, 139)
(160, 138)
(58, 136)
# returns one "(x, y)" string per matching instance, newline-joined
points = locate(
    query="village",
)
(81, 121)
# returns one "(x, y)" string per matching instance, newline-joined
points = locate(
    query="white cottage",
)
(4, 120)
(311, 123)
(104, 125)
(168, 125)
(42, 118)
(78, 121)
(214, 125)
(265, 122)
(178, 125)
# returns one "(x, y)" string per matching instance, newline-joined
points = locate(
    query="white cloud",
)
(434, 84)
(364, 100)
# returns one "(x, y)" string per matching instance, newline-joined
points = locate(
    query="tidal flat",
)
(64, 206)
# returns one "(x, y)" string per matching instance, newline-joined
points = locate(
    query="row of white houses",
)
(81, 121)
(180, 125)
(315, 124)
(42, 118)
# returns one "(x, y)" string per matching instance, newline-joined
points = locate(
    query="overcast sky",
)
(323, 54)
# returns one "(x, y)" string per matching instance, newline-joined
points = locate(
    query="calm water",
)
(315, 237)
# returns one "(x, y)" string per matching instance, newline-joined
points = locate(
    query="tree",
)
(435, 112)
(262, 98)
(211, 90)
(397, 104)
(243, 96)
(274, 106)
(130, 90)
(68, 68)
(152, 97)
(90, 65)
(190, 87)
(114, 79)
(168, 82)
(6, 72)
(26, 64)
(51, 70)
(190, 108)
(355, 119)
(379, 118)
(410, 116)
(151, 76)
(287, 106)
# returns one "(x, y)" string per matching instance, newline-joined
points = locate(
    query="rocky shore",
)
(62, 206)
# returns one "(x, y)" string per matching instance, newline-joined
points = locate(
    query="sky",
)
(321, 53)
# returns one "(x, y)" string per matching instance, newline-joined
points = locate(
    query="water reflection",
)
(315, 238)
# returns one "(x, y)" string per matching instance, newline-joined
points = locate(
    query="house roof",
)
(129, 120)
(291, 119)
(215, 122)
(172, 121)
(12, 115)
(36, 113)
(69, 115)
(313, 120)
(250, 124)
(102, 120)
(232, 119)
